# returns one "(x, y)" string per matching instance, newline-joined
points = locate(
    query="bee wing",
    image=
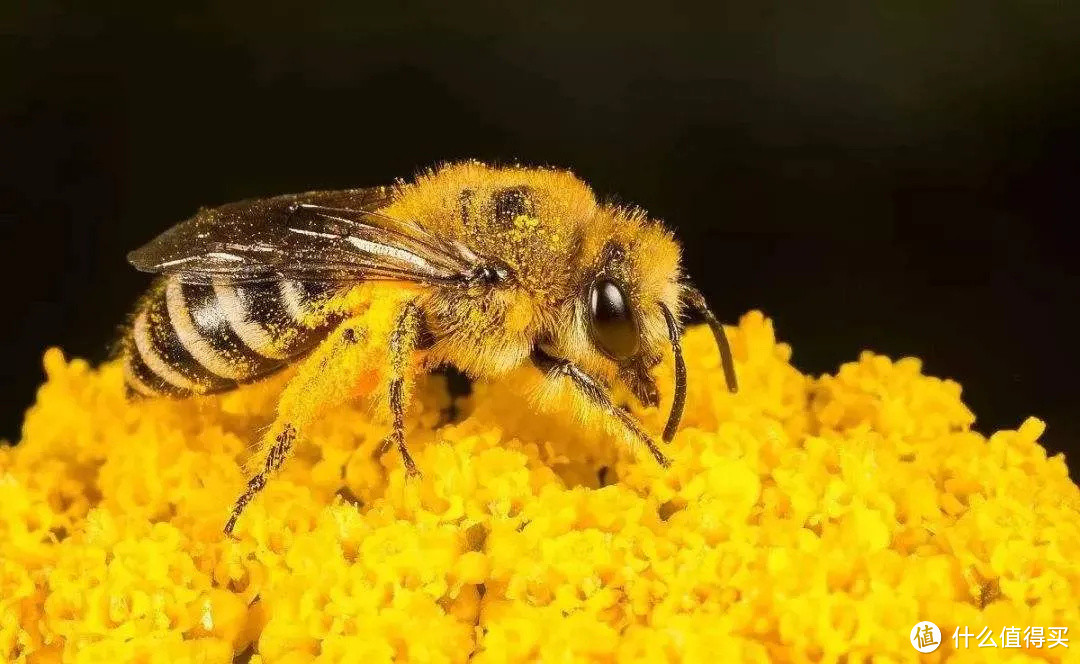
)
(336, 236)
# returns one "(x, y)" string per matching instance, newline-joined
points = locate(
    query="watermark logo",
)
(925, 636)
(1032, 636)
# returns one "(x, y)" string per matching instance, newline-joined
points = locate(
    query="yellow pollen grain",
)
(804, 519)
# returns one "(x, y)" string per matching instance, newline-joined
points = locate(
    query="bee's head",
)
(631, 277)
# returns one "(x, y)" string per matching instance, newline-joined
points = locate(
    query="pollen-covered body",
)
(490, 270)
(548, 229)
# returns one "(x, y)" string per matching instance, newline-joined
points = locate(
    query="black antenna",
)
(679, 402)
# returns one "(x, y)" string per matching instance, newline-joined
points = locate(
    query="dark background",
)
(901, 178)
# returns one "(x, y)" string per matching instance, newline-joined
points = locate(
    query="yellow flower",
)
(803, 519)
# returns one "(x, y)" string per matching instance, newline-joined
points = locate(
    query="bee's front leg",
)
(405, 338)
(592, 390)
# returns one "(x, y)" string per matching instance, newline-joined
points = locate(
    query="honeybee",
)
(484, 268)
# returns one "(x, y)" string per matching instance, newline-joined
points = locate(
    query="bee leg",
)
(595, 393)
(696, 301)
(327, 378)
(405, 338)
(276, 456)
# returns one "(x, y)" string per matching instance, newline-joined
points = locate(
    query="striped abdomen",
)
(189, 339)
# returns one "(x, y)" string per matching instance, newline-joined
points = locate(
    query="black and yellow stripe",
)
(189, 339)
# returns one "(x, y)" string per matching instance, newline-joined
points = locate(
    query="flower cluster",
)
(803, 519)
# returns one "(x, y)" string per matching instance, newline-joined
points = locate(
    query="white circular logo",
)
(925, 636)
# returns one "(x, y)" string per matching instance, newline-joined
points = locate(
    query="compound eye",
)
(613, 326)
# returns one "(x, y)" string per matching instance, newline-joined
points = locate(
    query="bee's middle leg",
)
(595, 393)
(406, 337)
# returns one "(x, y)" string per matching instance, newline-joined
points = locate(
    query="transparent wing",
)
(316, 236)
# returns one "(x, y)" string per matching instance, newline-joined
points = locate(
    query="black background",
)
(900, 178)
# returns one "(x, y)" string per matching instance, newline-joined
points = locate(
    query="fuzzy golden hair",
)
(554, 239)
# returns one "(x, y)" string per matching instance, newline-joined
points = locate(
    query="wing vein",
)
(321, 236)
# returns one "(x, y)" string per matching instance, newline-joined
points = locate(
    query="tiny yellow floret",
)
(803, 519)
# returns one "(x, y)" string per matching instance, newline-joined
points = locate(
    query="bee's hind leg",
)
(327, 378)
(275, 456)
(406, 337)
(595, 393)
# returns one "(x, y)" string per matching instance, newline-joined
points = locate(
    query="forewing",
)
(316, 236)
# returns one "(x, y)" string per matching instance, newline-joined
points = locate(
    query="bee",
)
(486, 269)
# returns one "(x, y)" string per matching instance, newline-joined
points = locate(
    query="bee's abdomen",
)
(189, 339)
